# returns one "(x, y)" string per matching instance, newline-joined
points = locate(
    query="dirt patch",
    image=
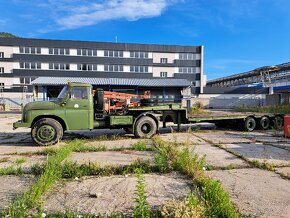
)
(11, 186)
(262, 153)
(118, 144)
(218, 157)
(256, 192)
(112, 158)
(105, 195)
(24, 162)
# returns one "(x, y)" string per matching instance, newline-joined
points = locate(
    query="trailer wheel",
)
(265, 123)
(250, 124)
(278, 122)
(145, 127)
(46, 131)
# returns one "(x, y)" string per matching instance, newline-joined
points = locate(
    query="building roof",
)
(113, 81)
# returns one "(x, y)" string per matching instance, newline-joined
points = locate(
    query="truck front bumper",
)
(19, 123)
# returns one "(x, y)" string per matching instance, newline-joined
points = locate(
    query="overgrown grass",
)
(284, 109)
(20, 161)
(51, 174)
(89, 148)
(215, 200)
(140, 146)
(17, 171)
(73, 170)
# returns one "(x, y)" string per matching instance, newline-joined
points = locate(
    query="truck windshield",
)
(62, 93)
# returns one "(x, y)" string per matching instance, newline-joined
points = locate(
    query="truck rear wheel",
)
(265, 123)
(250, 124)
(46, 131)
(145, 127)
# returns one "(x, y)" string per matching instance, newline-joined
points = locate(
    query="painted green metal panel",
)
(121, 120)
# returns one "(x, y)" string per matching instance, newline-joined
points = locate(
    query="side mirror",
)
(62, 104)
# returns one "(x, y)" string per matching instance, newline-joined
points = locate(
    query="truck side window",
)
(79, 93)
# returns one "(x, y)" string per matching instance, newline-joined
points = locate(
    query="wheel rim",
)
(251, 125)
(265, 123)
(46, 133)
(145, 128)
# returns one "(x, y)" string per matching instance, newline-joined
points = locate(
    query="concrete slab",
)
(19, 148)
(221, 137)
(105, 195)
(112, 158)
(285, 171)
(182, 138)
(262, 153)
(217, 157)
(24, 162)
(256, 192)
(11, 186)
(118, 144)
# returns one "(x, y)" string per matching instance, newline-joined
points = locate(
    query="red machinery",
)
(287, 125)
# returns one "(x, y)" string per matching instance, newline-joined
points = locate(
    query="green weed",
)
(139, 146)
(141, 206)
(20, 161)
(11, 171)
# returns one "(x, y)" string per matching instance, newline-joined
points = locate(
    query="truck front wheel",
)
(145, 127)
(46, 131)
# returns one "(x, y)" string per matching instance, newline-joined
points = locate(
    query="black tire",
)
(265, 123)
(278, 122)
(145, 127)
(250, 124)
(46, 131)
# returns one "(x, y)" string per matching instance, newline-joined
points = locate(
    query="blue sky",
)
(238, 35)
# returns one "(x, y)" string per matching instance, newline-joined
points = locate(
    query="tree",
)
(7, 35)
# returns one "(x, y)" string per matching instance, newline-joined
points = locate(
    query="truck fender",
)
(59, 119)
(152, 115)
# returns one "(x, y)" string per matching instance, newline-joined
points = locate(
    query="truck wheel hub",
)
(145, 128)
(46, 133)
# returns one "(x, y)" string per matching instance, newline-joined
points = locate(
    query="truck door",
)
(77, 108)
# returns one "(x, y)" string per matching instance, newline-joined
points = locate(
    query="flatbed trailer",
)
(79, 107)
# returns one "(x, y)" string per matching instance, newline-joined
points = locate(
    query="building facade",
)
(171, 68)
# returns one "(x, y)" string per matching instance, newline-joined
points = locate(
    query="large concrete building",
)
(166, 70)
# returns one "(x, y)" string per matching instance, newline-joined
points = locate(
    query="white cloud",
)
(74, 14)
(3, 22)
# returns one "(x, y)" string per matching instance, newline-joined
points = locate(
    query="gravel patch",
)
(221, 137)
(106, 195)
(256, 192)
(112, 158)
(262, 153)
(11, 186)
(182, 138)
(285, 171)
(218, 157)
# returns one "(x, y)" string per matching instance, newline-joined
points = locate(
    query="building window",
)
(30, 50)
(59, 66)
(163, 60)
(187, 70)
(25, 80)
(186, 56)
(113, 68)
(138, 54)
(139, 69)
(87, 67)
(30, 65)
(58, 51)
(1, 54)
(1, 69)
(163, 74)
(115, 54)
(86, 52)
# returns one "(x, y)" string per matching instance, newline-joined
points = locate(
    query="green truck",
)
(77, 108)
